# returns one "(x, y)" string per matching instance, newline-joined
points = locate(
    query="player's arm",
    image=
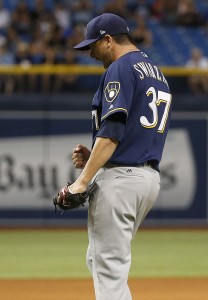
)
(108, 138)
(112, 127)
(102, 151)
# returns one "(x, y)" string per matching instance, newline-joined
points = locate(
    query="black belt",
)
(109, 165)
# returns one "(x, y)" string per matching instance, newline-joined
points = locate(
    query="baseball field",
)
(50, 265)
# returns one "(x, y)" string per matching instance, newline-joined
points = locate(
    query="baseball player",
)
(131, 115)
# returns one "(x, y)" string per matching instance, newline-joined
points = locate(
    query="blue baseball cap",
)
(98, 27)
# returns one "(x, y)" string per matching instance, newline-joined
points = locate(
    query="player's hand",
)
(80, 156)
(74, 188)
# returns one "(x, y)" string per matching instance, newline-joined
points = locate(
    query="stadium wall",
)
(35, 151)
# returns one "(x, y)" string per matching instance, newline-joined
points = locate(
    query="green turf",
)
(170, 253)
(61, 254)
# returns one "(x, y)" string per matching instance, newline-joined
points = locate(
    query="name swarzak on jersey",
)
(149, 70)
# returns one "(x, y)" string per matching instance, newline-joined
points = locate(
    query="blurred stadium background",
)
(45, 104)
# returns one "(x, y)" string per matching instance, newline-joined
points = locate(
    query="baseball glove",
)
(72, 201)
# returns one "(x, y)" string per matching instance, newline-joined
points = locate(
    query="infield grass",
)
(61, 254)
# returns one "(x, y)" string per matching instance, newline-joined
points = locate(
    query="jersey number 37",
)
(158, 97)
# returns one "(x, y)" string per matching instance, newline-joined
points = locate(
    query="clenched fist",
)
(80, 156)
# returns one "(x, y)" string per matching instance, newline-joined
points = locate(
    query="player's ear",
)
(108, 39)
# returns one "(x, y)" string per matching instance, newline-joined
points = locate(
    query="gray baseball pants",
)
(124, 197)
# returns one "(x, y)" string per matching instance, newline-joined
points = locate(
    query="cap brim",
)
(85, 45)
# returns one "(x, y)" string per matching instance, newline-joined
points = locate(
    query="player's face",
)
(99, 51)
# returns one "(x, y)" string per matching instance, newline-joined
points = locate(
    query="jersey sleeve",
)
(117, 90)
(112, 127)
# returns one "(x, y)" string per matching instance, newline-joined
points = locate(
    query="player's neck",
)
(122, 50)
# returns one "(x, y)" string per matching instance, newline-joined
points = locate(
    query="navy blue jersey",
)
(134, 88)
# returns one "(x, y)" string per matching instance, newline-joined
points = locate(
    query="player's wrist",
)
(82, 181)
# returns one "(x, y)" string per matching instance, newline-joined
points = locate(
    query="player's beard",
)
(106, 60)
(106, 65)
(103, 57)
